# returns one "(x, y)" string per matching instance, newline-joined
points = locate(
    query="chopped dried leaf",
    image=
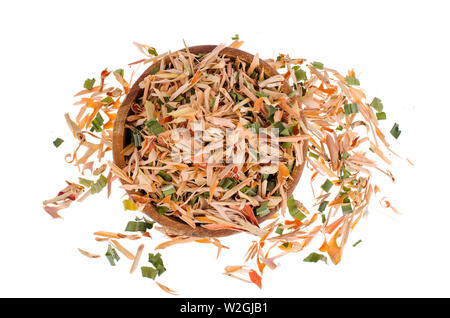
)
(89, 83)
(326, 186)
(294, 210)
(318, 65)
(134, 226)
(352, 81)
(315, 257)
(112, 255)
(129, 205)
(395, 131)
(57, 142)
(149, 272)
(377, 104)
(99, 184)
(154, 127)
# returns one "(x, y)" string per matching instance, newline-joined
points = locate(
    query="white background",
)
(400, 53)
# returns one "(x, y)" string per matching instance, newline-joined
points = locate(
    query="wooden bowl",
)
(121, 136)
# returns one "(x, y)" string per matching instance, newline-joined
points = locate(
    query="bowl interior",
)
(122, 137)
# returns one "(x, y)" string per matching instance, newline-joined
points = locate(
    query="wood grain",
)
(121, 137)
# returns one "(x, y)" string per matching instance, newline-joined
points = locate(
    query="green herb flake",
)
(340, 128)
(250, 191)
(168, 190)
(165, 176)
(351, 109)
(137, 138)
(346, 208)
(286, 145)
(57, 142)
(156, 260)
(377, 104)
(97, 123)
(162, 210)
(120, 72)
(352, 81)
(87, 183)
(279, 230)
(395, 131)
(129, 205)
(235, 38)
(315, 257)
(357, 243)
(99, 184)
(323, 205)
(154, 69)
(107, 100)
(154, 127)
(263, 209)
(345, 155)
(318, 65)
(112, 255)
(326, 186)
(89, 83)
(300, 74)
(139, 226)
(313, 155)
(227, 183)
(254, 127)
(149, 272)
(178, 99)
(212, 101)
(294, 210)
(152, 51)
(381, 116)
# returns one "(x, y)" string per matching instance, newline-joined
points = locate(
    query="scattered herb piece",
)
(138, 226)
(315, 257)
(381, 116)
(157, 262)
(168, 189)
(323, 205)
(346, 208)
(377, 104)
(99, 184)
(97, 123)
(137, 138)
(152, 51)
(129, 205)
(107, 100)
(149, 272)
(300, 74)
(165, 176)
(227, 183)
(326, 186)
(154, 127)
(86, 182)
(294, 210)
(162, 210)
(351, 109)
(395, 131)
(89, 83)
(263, 209)
(120, 72)
(318, 65)
(112, 255)
(352, 81)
